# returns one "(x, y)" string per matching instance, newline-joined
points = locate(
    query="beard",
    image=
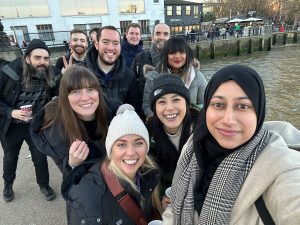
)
(41, 71)
(107, 62)
(159, 44)
(78, 51)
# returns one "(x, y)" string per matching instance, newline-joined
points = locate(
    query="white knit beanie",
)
(125, 122)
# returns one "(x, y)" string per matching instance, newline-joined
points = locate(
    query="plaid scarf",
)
(225, 185)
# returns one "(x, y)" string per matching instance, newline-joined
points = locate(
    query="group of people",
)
(124, 124)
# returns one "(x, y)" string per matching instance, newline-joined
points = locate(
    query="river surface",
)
(280, 72)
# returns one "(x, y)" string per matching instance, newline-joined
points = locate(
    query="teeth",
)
(86, 105)
(171, 116)
(130, 162)
(110, 54)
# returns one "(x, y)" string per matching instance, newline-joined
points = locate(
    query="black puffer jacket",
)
(122, 86)
(10, 88)
(91, 202)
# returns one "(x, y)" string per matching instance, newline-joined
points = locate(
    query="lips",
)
(86, 106)
(130, 161)
(228, 133)
(171, 116)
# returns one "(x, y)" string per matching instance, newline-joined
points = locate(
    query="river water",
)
(280, 72)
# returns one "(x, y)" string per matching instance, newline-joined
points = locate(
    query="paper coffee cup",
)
(155, 222)
(168, 192)
(28, 109)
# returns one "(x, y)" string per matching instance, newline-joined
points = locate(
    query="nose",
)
(169, 106)
(229, 116)
(85, 95)
(130, 150)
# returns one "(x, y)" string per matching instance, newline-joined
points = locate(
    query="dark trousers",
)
(11, 144)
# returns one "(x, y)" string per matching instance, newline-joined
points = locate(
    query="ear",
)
(97, 45)
(27, 59)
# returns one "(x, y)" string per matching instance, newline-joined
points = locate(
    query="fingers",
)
(78, 152)
(20, 115)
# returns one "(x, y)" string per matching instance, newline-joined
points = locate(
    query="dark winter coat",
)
(129, 51)
(163, 150)
(91, 202)
(11, 87)
(122, 86)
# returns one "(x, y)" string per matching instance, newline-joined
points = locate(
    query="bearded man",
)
(78, 48)
(27, 81)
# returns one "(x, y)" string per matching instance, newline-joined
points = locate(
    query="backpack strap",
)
(13, 76)
(263, 212)
(123, 198)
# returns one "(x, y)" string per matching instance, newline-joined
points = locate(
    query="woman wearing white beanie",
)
(122, 189)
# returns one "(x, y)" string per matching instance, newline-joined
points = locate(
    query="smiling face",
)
(133, 35)
(176, 60)
(230, 116)
(129, 153)
(84, 102)
(108, 46)
(78, 43)
(38, 59)
(170, 110)
(161, 34)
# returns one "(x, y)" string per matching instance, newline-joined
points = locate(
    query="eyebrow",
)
(238, 98)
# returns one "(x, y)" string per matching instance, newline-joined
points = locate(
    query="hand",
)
(165, 201)
(20, 115)
(78, 152)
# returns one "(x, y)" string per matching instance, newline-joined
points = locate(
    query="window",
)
(95, 25)
(188, 10)
(45, 32)
(131, 6)
(24, 30)
(169, 10)
(21, 8)
(80, 27)
(144, 26)
(79, 7)
(123, 26)
(178, 10)
(155, 1)
(196, 11)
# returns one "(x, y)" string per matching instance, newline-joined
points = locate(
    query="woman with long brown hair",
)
(74, 125)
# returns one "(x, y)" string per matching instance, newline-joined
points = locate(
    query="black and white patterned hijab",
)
(234, 168)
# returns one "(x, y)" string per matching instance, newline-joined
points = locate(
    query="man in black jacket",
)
(104, 59)
(28, 80)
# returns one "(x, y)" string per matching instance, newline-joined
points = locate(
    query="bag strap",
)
(123, 198)
(263, 212)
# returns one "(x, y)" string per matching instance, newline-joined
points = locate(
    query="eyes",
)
(81, 40)
(106, 43)
(162, 101)
(237, 106)
(78, 92)
(123, 145)
(37, 57)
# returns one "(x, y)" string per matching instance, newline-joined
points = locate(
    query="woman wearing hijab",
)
(232, 161)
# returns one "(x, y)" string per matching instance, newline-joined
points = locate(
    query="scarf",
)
(224, 188)
(155, 55)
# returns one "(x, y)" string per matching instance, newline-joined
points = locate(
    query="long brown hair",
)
(60, 111)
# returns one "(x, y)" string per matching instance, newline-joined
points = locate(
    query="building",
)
(51, 20)
(181, 15)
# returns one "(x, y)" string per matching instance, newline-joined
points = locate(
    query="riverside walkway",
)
(29, 206)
